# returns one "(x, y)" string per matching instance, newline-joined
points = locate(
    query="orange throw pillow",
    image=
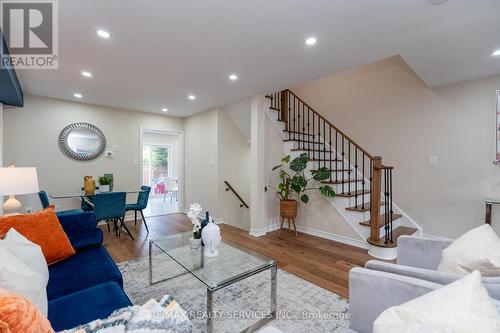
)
(42, 228)
(18, 315)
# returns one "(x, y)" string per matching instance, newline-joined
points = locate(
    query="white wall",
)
(201, 160)
(387, 109)
(234, 166)
(31, 134)
(239, 112)
(217, 151)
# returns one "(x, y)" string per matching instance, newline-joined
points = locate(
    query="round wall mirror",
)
(82, 141)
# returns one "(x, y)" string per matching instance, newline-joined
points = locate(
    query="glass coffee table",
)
(233, 264)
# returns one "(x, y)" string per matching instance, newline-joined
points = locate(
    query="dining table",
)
(87, 198)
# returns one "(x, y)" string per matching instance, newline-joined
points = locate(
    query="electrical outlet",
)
(136, 161)
(433, 160)
(29, 210)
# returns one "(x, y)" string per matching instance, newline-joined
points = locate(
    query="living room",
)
(269, 167)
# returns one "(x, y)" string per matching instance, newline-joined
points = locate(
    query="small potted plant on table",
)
(104, 182)
(294, 184)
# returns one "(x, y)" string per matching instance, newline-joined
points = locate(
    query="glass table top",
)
(232, 264)
(79, 194)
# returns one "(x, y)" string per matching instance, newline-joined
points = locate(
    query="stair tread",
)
(306, 141)
(396, 233)
(381, 220)
(339, 182)
(325, 159)
(334, 170)
(295, 132)
(367, 207)
(352, 193)
(313, 150)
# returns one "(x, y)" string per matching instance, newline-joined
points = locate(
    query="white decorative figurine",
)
(211, 238)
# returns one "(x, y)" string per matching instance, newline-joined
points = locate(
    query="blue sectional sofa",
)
(87, 285)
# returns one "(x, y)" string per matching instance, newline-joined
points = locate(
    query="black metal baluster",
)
(294, 120)
(342, 169)
(319, 139)
(390, 198)
(303, 130)
(314, 135)
(356, 176)
(308, 131)
(289, 116)
(330, 149)
(337, 156)
(324, 144)
(349, 166)
(363, 181)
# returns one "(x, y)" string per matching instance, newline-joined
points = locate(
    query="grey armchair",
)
(419, 257)
(372, 291)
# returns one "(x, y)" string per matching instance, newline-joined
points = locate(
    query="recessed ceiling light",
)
(103, 34)
(77, 95)
(496, 53)
(311, 41)
(86, 74)
(233, 77)
(164, 109)
(192, 97)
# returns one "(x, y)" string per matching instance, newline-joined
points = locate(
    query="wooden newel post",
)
(284, 108)
(376, 189)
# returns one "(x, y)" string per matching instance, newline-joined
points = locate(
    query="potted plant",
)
(294, 184)
(104, 182)
(193, 214)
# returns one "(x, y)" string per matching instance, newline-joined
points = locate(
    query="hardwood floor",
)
(323, 262)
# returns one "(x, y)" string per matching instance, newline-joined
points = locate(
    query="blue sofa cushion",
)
(71, 212)
(85, 239)
(84, 306)
(76, 221)
(85, 269)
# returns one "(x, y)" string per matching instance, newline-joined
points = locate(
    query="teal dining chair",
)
(44, 201)
(142, 203)
(110, 207)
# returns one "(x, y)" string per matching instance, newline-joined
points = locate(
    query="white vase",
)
(103, 188)
(195, 243)
(211, 238)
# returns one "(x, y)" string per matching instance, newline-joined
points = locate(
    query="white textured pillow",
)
(21, 279)
(477, 249)
(27, 252)
(463, 306)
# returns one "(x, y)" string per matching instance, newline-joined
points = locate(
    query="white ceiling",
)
(161, 51)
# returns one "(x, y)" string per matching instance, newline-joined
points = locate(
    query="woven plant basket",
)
(288, 208)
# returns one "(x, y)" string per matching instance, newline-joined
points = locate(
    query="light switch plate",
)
(433, 160)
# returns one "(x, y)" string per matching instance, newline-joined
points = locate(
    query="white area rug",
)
(302, 306)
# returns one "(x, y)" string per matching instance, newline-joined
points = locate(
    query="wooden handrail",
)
(230, 188)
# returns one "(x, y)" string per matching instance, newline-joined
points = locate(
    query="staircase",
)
(363, 185)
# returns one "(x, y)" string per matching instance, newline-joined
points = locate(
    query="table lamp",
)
(15, 181)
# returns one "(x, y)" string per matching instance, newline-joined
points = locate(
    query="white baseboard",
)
(258, 232)
(323, 234)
